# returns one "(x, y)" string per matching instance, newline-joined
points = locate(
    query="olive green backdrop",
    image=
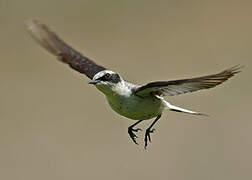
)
(55, 126)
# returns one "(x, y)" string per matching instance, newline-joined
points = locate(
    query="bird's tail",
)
(179, 109)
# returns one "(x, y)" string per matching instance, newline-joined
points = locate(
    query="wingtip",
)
(236, 69)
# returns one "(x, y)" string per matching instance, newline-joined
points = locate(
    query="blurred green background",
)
(55, 126)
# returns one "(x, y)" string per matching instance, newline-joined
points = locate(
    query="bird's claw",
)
(136, 130)
(147, 136)
(132, 135)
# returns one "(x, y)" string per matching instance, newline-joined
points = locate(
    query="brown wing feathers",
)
(52, 43)
(175, 87)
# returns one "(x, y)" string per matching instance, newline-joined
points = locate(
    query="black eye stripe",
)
(105, 77)
(114, 78)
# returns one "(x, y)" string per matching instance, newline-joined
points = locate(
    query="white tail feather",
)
(179, 109)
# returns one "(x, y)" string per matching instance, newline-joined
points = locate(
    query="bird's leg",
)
(150, 130)
(131, 131)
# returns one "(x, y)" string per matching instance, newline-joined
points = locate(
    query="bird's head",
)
(106, 81)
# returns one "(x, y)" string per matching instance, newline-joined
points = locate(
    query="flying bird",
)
(135, 102)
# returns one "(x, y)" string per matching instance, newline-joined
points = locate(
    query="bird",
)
(136, 102)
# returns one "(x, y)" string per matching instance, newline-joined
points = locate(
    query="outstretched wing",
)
(52, 43)
(176, 87)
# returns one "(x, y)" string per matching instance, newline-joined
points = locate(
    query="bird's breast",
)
(135, 107)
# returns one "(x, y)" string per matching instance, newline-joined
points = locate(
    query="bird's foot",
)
(147, 136)
(132, 135)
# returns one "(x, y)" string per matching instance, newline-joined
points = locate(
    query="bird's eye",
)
(107, 76)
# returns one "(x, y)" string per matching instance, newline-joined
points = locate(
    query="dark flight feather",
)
(52, 43)
(176, 87)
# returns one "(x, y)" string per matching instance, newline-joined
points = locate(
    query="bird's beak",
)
(93, 82)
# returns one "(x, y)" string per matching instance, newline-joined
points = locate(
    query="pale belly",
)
(135, 107)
